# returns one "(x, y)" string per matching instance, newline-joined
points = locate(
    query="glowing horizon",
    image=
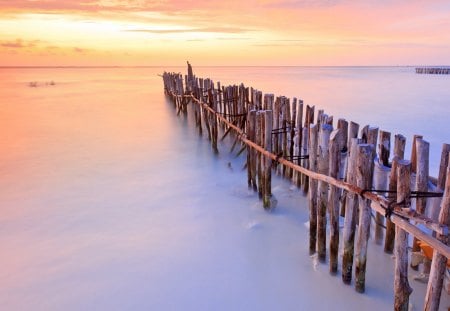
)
(269, 32)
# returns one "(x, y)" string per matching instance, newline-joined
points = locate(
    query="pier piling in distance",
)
(433, 70)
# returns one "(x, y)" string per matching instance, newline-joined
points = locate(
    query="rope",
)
(414, 194)
(280, 130)
(300, 157)
(376, 222)
(279, 155)
(232, 115)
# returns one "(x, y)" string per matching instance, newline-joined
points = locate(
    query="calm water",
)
(110, 201)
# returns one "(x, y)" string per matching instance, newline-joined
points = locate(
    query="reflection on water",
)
(108, 200)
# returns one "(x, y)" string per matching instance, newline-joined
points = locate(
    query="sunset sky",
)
(268, 32)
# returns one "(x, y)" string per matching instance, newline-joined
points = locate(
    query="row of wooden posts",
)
(343, 173)
(433, 70)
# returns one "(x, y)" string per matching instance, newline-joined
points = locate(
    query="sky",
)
(224, 33)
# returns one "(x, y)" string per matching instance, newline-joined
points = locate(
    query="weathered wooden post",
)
(380, 180)
(320, 114)
(213, 120)
(335, 147)
(342, 124)
(372, 135)
(309, 119)
(350, 214)
(276, 126)
(304, 153)
(421, 182)
(399, 153)
(292, 135)
(364, 171)
(267, 199)
(286, 134)
(402, 290)
(220, 99)
(353, 129)
(313, 141)
(302, 144)
(440, 183)
(323, 164)
(259, 142)
(439, 262)
(251, 154)
(443, 165)
(414, 153)
(206, 117)
(268, 101)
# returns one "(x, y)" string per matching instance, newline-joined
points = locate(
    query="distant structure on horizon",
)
(433, 70)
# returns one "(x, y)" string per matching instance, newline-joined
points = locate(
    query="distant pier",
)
(433, 70)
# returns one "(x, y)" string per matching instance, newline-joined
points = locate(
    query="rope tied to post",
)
(390, 208)
(240, 115)
(413, 195)
(301, 157)
(279, 155)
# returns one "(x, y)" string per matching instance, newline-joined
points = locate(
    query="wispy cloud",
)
(190, 30)
(18, 44)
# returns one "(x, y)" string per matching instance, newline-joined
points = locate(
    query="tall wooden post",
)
(421, 182)
(434, 288)
(213, 119)
(309, 119)
(333, 198)
(276, 125)
(293, 144)
(251, 154)
(350, 214)
(414, 153)
(301, 142)
(353, 129)
(402, 290)
(399, 153)
(364, 181)
(267, 199)
(304, 181)
(259, 142)
(323, 164)
(380, 182)
(443, 165)
(313, 141)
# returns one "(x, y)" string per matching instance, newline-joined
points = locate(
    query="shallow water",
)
(110, 201)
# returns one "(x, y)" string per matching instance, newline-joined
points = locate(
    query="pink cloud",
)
(18, 44)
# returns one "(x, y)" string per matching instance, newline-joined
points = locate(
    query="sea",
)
(109, 200)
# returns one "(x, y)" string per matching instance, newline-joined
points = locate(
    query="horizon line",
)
(159, 66)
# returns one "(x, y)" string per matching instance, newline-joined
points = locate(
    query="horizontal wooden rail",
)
(400, 217)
